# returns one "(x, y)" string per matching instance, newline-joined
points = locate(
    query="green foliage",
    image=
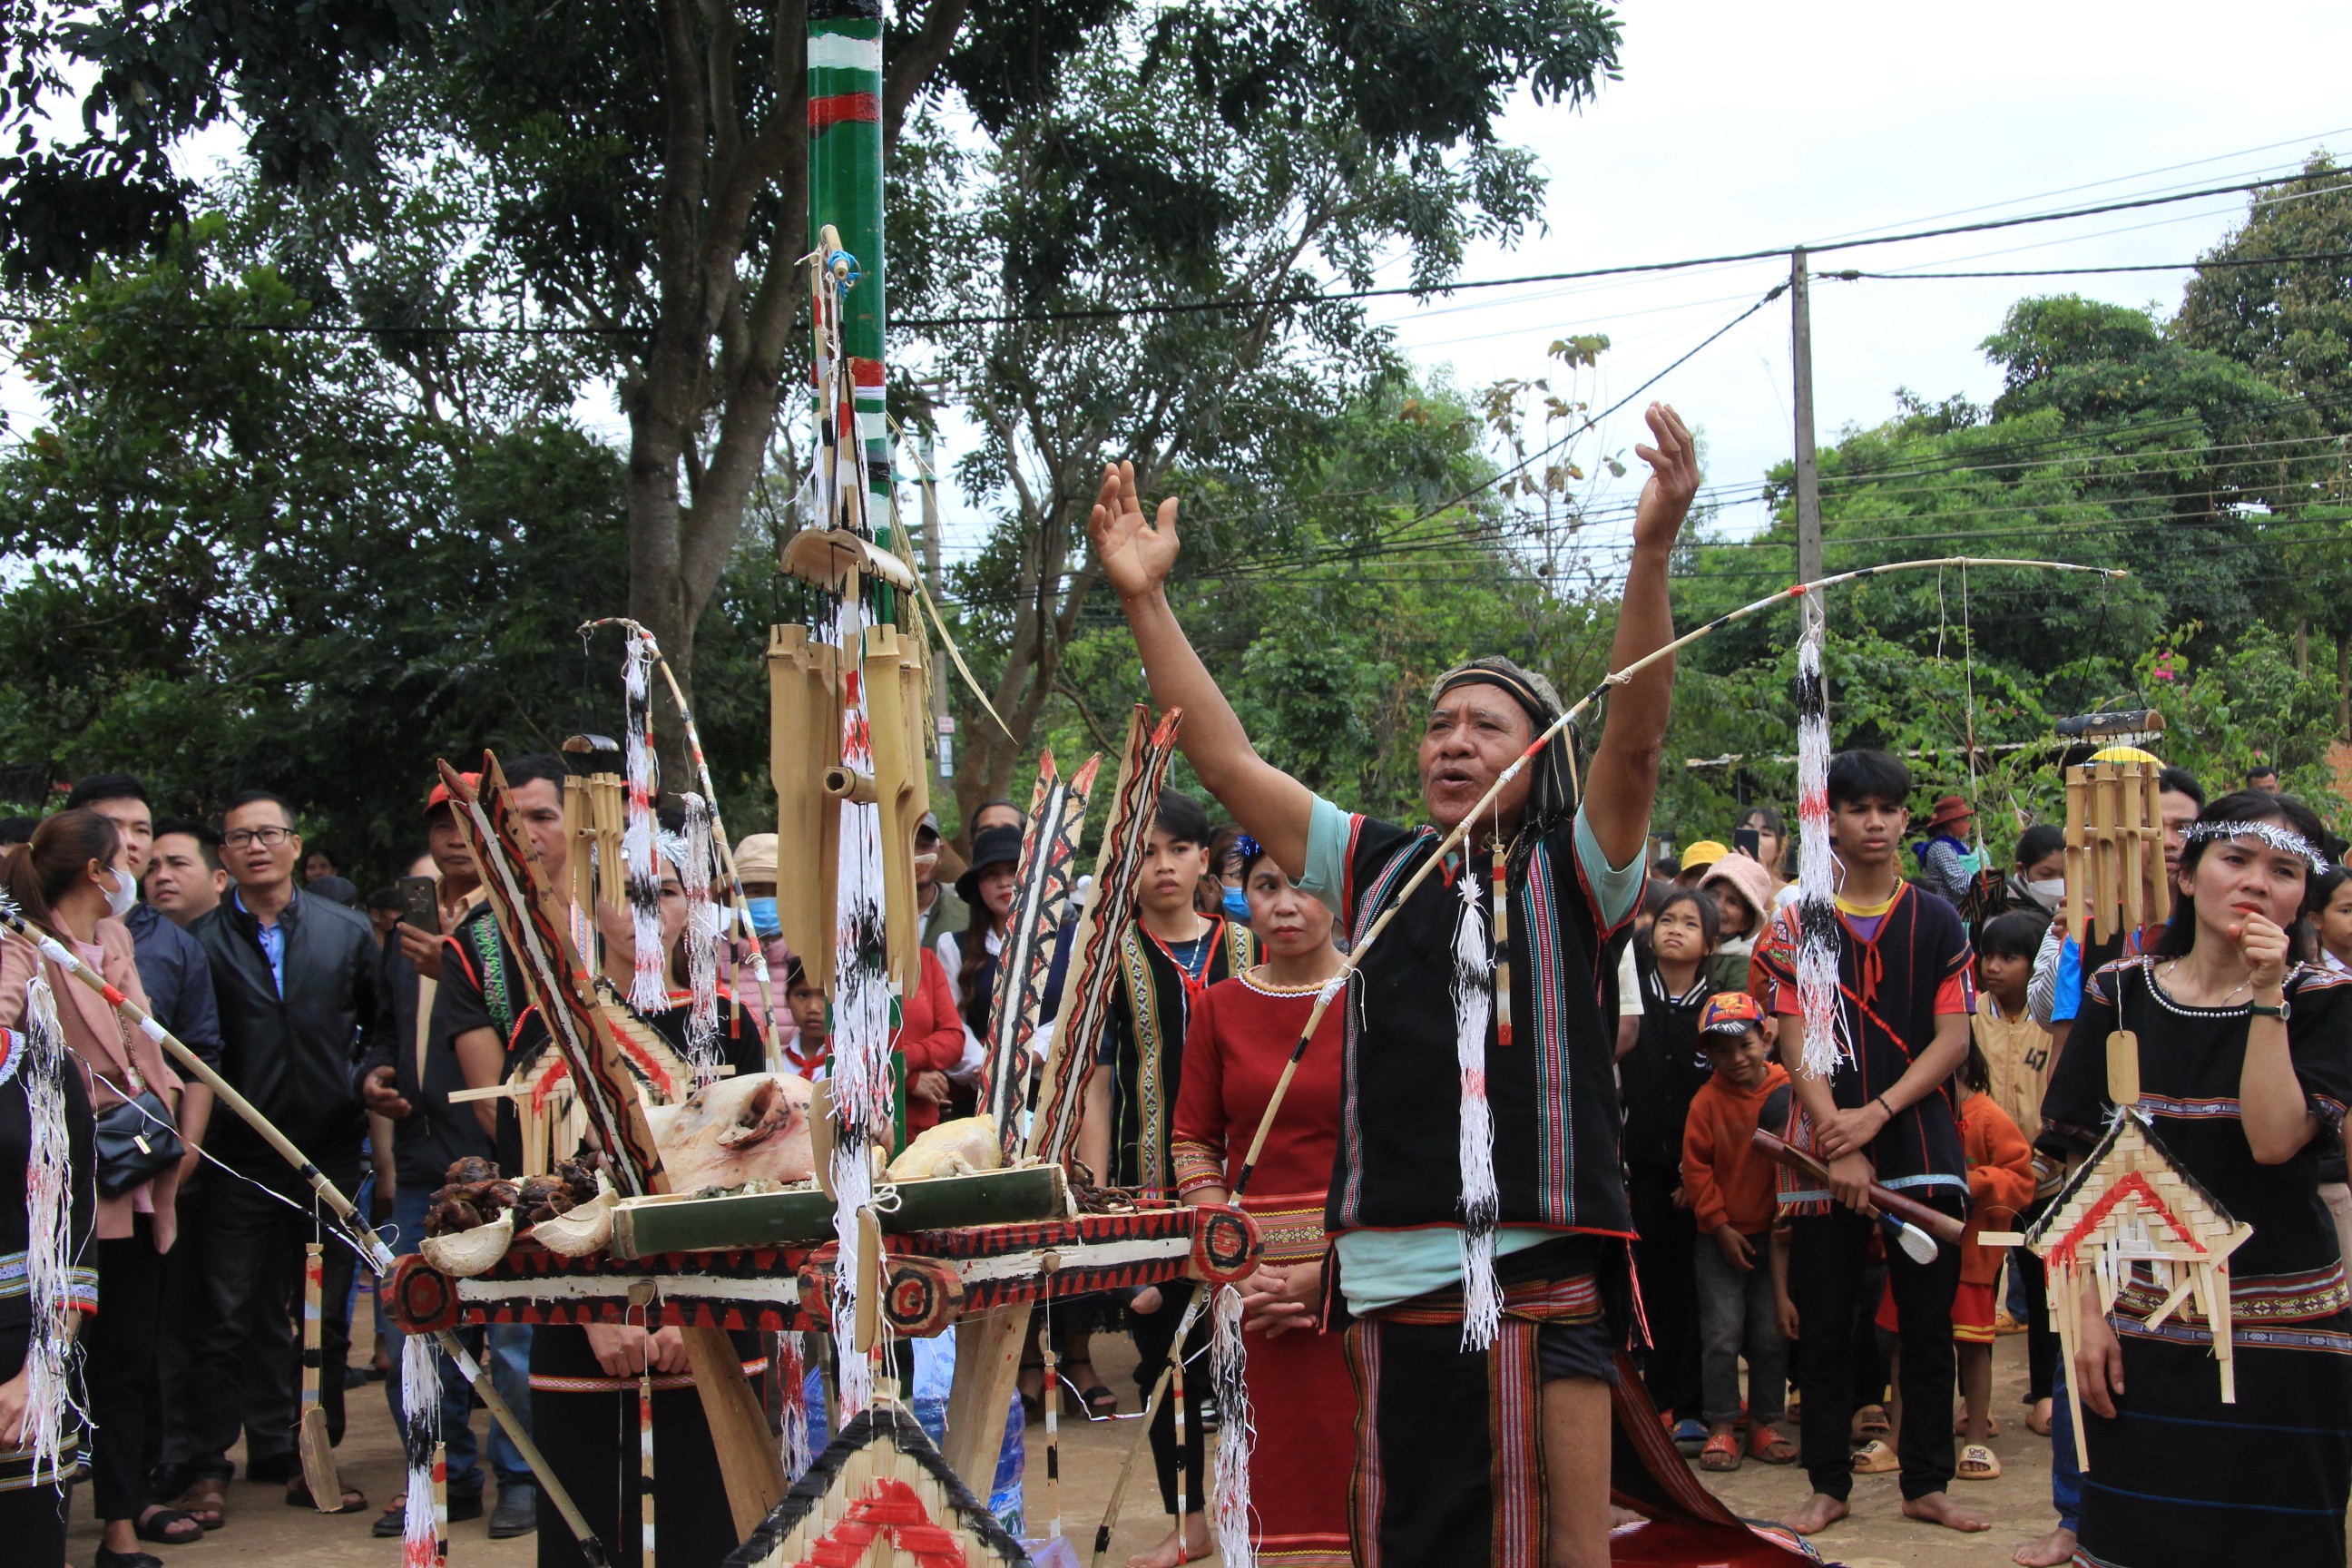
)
(2289, 321)
(248, 558)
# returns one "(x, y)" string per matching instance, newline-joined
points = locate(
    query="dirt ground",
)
(261, 1528)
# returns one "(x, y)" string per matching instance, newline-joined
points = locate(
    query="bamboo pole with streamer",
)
(362, 1235)
(742, 904)
(1353, 960)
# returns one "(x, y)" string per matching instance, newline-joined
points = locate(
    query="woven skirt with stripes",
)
(2179, 1479)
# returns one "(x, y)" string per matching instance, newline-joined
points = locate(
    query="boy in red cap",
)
(1731, 1191)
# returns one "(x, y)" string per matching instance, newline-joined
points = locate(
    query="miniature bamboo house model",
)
(2130, 1218)
(879, 1497)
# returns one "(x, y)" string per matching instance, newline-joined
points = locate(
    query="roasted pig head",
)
(752, 1127)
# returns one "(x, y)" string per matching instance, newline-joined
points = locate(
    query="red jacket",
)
(1724, 1177)
(930, 1036)
(2000, 1182)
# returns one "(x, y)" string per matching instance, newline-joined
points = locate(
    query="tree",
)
(643, 168)
(2289, 322)
(1248, 203)
(256, 558)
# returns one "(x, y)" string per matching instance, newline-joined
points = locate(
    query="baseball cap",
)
(440, 795)
(1705, 852)
(1730, 1012)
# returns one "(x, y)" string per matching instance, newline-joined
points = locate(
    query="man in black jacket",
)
(297, 981)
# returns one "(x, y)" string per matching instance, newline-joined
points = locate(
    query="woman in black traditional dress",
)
(2245, 1066)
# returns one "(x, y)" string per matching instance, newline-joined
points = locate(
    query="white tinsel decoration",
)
(420, 1403)
(1482, 1299)
(53, 1357)
(1229, 1493)
(695, 864)
(648, 991)
(1817, 919)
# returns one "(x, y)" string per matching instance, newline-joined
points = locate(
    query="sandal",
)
(1874, 1458)
(2037, 1419)
(206, 1501)
(162, 1525)
(1977, 1463)
(1721, 1453)
(1101, 1403)
(1871, 1421)
(1960, 1425)
(1768, 1446)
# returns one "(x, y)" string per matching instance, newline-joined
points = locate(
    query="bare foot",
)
(1619, 1517)
(1937, 1508)
(2054, 1550)
(1815, 1514)
(1190, 1545)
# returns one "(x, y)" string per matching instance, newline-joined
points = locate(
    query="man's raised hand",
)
(1666, 495)
(1135, 554)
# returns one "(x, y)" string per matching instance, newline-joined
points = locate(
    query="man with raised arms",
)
(1481, 1334)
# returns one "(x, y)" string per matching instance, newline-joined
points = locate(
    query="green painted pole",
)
(844, 108)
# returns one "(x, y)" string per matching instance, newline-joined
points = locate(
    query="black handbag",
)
(136, 1142)
(137, 1138)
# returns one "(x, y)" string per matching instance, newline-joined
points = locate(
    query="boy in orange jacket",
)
(1731, 1190)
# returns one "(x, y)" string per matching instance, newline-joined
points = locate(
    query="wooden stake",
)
(318, 1449)
(2078, 865)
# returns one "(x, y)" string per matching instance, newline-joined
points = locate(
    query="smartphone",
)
(1749, 841)
(420, 903)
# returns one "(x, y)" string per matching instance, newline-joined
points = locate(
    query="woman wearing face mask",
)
(1222, 892)
(2244, 1069)
(2331, 925)
(2039, 883)
(1242, 1033)
(71, 880)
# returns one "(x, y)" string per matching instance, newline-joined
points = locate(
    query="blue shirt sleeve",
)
(1618, 888)
(1327, 831)
(2068, 1001)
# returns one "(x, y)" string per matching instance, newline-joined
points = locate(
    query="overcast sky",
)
(1740, 126)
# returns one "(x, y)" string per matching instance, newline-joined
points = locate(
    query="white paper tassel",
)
(1229, 1495)
(1482, 1301)
(649, 991)
(53, 1403)
(420, 1403)
(695, 865)
(1817, 920)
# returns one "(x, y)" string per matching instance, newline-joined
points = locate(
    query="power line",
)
(2089, 271)
(1187, 307)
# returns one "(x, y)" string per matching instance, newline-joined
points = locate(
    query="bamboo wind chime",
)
(2115, 845)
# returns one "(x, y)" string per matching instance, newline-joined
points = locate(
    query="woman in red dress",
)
(1242, 1033)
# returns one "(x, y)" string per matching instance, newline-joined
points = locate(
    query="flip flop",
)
(157, 1524)
(1770, 1448)
(1721, 1453)
(1874, 1458)
(1977, 1463)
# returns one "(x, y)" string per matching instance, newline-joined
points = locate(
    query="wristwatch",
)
(2282, 1012)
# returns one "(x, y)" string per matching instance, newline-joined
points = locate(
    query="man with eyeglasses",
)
(296, 980)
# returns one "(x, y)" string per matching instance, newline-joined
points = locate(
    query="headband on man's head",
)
(1551, 796)
(2285, 840)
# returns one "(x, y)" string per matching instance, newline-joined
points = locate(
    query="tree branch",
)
(910, 71)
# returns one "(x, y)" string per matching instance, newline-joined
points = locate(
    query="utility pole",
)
(1809, 478)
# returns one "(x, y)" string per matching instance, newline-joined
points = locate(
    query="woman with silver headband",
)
(1480, 1244)
(2245, 1066)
